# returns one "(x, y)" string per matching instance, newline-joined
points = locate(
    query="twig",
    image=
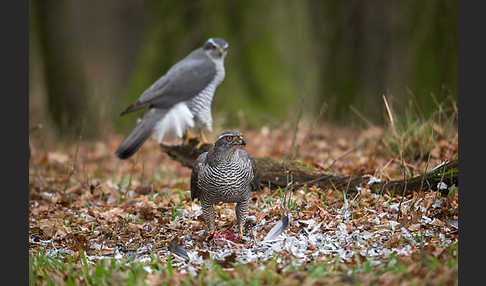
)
(313, 181)
(369, 123)
(293, 146)
(345, 154)
(381, 170)
(404, 178)
(131, 173)
(438, 189)
(421, 182)
(287, 193)
(347, 187)
(143, 173)
(73, 166)
(403, 197)
(313, 123)
(392, 122)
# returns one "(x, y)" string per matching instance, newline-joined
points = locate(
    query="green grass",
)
(414, 135)
(46, 270)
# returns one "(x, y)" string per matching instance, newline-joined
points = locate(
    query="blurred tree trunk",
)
(352, 47)
(369, 48)
(67, 99)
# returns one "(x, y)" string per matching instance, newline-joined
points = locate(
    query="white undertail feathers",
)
(174, 123)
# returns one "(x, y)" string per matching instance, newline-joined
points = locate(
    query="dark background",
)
(329, 59)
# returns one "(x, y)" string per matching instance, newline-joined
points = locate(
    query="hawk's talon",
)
(199, 144)
(202, 140)
(186, 141)
(187, 138)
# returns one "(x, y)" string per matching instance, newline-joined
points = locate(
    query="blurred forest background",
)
(328, 59)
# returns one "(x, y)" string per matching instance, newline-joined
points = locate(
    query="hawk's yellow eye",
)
(229, 138)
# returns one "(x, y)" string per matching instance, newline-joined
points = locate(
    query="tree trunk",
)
(274, 173)
(67, 99)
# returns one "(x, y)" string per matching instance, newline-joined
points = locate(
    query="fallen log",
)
(275, 173)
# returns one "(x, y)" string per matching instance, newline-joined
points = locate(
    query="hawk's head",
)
(216, 48)
(230, 139)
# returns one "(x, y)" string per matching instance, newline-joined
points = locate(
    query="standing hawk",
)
(224, 174)
(180, 99)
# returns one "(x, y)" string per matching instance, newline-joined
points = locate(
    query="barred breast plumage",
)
(224, 174)
(200, 105)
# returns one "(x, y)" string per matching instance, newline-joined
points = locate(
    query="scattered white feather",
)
(277, 229)
(148, 269)
(437, 203)
(442, 186)
(373, 180)
(438, 166)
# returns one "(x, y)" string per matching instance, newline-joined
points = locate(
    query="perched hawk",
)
(180, 99)
(225, 173)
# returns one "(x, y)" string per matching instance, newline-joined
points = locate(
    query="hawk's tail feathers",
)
(139, 135)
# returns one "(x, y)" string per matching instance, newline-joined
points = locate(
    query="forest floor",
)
(98, 220)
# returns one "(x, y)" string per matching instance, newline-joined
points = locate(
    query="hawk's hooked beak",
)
(221, 52)
(240, 141)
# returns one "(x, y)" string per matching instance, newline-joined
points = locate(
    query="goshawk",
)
(180, 99)
(225, 173)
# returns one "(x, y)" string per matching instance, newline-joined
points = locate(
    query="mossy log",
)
(275, 173)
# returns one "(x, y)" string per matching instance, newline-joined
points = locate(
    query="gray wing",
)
(195, 191)
(183, 81)
(255, 181)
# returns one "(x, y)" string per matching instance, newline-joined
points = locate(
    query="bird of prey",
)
(180, 99)
(225, 173)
